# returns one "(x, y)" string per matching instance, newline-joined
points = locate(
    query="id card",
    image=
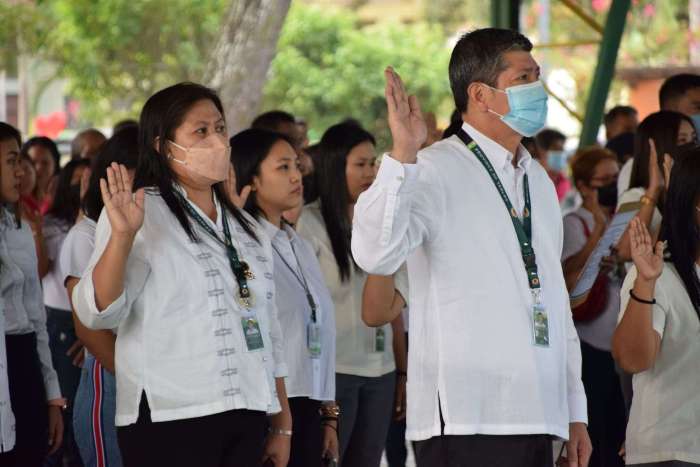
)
(379, 340)
(540, 325)
(313, 339)
(251, 331)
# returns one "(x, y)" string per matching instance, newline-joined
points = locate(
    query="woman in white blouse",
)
(658, 337)
(95, 398)
(365, 365)
(35, 394)
(186, 277)
(266, 162)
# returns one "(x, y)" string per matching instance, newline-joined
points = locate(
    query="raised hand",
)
(124, 208)
(648, 260)
(408, 129)
(238, 199)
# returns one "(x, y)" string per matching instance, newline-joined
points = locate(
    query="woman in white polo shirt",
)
(365, 366)
(185, 276)
(658, 337)
(266, 162)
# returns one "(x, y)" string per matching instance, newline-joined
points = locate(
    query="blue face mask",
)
(528, 107)
(696, 123)
(556, 160)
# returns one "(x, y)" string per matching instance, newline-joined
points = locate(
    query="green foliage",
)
(23, 29)
(116, 53)
(328, 68)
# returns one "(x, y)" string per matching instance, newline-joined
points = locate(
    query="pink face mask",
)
(208, 158)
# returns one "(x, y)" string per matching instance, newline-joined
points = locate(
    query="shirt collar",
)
(219, 222)
(275, 233)
(499, 156)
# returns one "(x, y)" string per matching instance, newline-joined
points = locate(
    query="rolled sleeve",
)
(135, 277)
(86, 307)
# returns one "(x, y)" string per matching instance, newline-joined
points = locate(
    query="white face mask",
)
(209, 158)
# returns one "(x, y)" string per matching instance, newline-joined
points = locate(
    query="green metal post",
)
(604, 71)
(505, 14)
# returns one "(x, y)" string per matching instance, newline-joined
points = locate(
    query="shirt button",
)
(264, 359)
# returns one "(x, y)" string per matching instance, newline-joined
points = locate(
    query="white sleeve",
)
(75, 254)
(574, 236)
(576, 394)
(36, 313)
(135, 276)
(276, 335)
(403, 208)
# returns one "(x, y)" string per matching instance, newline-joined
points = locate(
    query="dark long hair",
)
(8, 132)
(662, 127)
(46, 143)
(335, 145)
(122, 148)
(679, 227)
(162, 114)
(66, 202)
(249, 149)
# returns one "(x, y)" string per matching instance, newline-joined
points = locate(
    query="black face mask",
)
(607, 195)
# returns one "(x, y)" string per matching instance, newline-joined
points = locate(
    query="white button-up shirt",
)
(180, 334)
(355, 354)
(308, 377)
(471, 331)
(22, 296)
(55, 294)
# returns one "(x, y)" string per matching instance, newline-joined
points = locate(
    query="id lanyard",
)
(241, 269)
(313, 330)
(300, 278)
(523, 230)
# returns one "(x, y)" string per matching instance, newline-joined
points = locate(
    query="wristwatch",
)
(330, 410)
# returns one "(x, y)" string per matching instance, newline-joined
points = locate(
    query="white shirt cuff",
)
(578, 408)
(281, 370)
(86, 306)
(396, 175)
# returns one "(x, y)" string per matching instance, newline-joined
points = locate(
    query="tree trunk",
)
(238, 67)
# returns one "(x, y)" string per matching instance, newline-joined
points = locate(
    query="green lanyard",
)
(300, 278)
(240, 269)
(523, 229)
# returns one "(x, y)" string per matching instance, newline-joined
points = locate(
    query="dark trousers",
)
(59, 324)
(396, 452)
(229, 439)
(365, 413)
(28, 399)
(606, 406)
(485, 451)
(307, 444)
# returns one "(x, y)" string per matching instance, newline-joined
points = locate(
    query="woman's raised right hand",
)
(124, 208)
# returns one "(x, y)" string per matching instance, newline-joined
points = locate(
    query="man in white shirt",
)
(495, 362)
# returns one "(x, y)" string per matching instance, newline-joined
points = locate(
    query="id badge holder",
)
(377, 340)
(252, 333)
(540, 322)
(313, 339)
